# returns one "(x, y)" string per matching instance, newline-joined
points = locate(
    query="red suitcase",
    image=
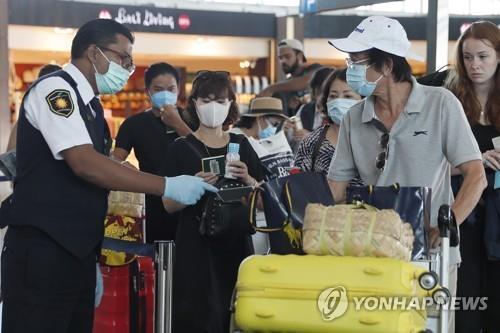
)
(127, 304)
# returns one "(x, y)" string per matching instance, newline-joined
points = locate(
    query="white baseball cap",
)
(291, 43)
(378, 32)
(294, 44)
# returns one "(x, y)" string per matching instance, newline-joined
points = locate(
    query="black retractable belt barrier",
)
(140, 249)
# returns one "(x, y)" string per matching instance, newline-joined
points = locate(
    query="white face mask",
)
(212, 114)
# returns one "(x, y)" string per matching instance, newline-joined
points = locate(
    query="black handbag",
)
(285, 200)
(222, 219)
(413, 204)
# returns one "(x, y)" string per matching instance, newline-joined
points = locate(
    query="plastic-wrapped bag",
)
(356, 230)
(413, 204)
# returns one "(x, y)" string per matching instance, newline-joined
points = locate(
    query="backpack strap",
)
(321, 138)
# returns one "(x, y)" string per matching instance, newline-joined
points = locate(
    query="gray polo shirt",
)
(429, 135)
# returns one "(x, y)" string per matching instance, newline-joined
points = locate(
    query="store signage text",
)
(145, 18)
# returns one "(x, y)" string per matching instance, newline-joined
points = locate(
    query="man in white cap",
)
(403, 132)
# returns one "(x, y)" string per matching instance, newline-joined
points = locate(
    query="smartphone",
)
(234, 194)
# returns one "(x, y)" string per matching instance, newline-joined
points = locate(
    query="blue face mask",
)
(113, 80)
(267, 132)
(356, 79)
(338, 107)
(162, 98)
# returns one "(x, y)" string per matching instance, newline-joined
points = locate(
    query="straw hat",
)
(265, 106)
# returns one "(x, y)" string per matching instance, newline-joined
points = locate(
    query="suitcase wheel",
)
(428, 280)
(441, 296)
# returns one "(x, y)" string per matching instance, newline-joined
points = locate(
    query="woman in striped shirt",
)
(316, 151)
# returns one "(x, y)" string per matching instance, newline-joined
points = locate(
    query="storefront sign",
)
(145, 17)
(73, 14)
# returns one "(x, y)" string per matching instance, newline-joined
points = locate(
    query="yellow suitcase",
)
(287, 294)
(303, 316)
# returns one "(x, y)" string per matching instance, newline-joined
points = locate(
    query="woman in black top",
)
(206, 270)
(475, 80)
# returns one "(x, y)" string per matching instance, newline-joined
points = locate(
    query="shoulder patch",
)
(60, 102)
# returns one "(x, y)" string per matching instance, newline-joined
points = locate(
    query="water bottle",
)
(298, 123)
(233, 154)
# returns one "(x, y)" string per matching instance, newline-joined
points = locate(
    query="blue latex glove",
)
(186, 190)
(99, 286)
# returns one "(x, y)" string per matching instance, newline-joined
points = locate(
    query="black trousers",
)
(493, 293)
(45, 288)
(471, 276)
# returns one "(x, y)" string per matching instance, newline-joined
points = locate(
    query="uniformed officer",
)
(56, 212)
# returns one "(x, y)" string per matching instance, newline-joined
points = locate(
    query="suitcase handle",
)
(372, 271)
(268, 269)
(369, 321)
(264, 314)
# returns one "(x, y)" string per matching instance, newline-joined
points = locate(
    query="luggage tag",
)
(8, 163)
(497, 180)
(496, 145)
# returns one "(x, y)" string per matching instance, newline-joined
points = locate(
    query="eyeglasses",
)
(382, 156)
(205, 75)
(126, 60)
(349, 62)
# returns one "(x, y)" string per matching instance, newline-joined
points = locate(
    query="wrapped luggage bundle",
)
(126, 204)
(356, 230)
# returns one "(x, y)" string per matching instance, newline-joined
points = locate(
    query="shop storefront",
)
(240, 43)
(191, 40)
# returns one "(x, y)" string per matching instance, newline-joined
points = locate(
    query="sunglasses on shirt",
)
(382, 156)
